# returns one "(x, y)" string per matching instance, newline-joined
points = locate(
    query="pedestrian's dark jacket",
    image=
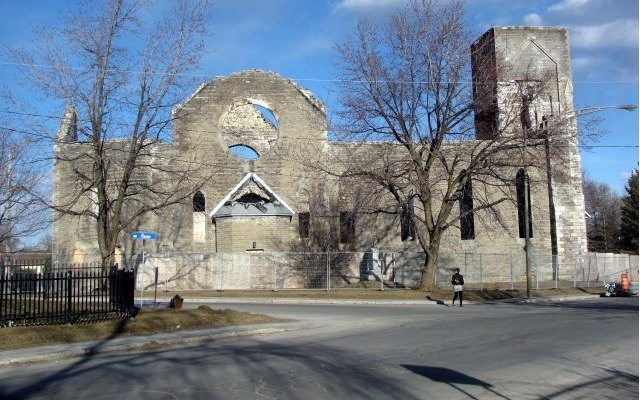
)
(457, 279)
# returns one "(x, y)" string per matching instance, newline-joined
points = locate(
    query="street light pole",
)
(527, 216)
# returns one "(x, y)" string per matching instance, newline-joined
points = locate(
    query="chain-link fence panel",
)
(373, 269)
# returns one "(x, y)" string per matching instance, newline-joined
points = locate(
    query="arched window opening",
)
(407, 226)
(244, 151)
(198, 202)
(520, 193)
(467, 223)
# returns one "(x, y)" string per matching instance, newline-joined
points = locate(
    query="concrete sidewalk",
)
(291, 300)
(146, 301)
(70, 350)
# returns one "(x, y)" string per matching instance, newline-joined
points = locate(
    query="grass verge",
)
(372, 294)
(148, 321)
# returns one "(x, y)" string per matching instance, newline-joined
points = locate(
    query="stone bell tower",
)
(522, 82)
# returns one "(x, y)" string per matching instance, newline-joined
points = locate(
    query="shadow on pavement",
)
(43, 384)
(612, 385)
(223, 369)
(438, 301)
(452, 378)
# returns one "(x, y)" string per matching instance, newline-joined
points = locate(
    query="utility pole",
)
(527, 218)
(527, 234)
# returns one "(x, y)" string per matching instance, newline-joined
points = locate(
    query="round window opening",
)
(250, 128)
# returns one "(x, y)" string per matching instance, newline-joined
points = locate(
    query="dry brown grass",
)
(148, 321)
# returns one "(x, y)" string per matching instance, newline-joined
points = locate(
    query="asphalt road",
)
(569, 350)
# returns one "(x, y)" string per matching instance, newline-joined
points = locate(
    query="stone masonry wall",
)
(205, 125)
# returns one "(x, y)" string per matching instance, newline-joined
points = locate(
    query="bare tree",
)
(119, 76)
(602, 205)
(407, 108)
(21, 184)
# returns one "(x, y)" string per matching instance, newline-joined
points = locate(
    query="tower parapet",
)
(522, 84)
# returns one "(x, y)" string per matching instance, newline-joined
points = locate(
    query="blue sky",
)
(295, 38)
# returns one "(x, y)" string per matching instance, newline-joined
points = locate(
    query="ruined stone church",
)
(248, 125)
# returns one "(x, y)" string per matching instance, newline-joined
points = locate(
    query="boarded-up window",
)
(199, 227)
(199, 218)
(303, 224)
(347, 227)
(520, 193)
(467, 223)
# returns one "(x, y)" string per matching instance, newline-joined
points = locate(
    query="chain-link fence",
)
(375, 269)
(347, 270)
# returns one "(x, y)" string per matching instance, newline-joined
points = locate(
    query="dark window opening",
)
(303, 224)
(198, 202)
(467, 223)
(407, 226)
(251, 198)
(487, 119)
(520, 193)
(347, 227)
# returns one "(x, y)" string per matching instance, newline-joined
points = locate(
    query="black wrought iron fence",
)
(29, 297)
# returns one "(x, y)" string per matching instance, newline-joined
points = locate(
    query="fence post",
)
(380, 263)
(251, 272)
(155, 287)
(511, 268)
(69, 298)
(275, 285)
(328, 272)
(465, 263)
(556, 265)
(481, 272)
(220, 272)
(142, 270)
(604, 269)
(538, 269)
(164, 271)
(575, 275)
(588, 270)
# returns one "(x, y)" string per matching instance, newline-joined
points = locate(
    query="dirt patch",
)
(148, 321)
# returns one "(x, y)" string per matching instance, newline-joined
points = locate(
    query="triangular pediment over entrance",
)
(251, 197)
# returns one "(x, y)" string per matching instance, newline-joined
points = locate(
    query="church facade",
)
(252, 128)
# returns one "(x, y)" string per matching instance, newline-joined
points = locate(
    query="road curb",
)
(291, 300)
(71, 350)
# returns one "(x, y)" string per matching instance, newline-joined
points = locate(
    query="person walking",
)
(457, 281)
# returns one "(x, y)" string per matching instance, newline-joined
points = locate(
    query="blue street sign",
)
(145, 235)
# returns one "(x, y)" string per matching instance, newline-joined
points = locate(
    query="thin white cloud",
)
(586, 62)
(619, 33)
(568, 5)
(367, 5)
(532, 19)
(313, 45)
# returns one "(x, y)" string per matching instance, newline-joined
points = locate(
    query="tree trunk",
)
(429, 271)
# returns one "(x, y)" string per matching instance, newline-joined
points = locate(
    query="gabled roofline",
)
(260, 182)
